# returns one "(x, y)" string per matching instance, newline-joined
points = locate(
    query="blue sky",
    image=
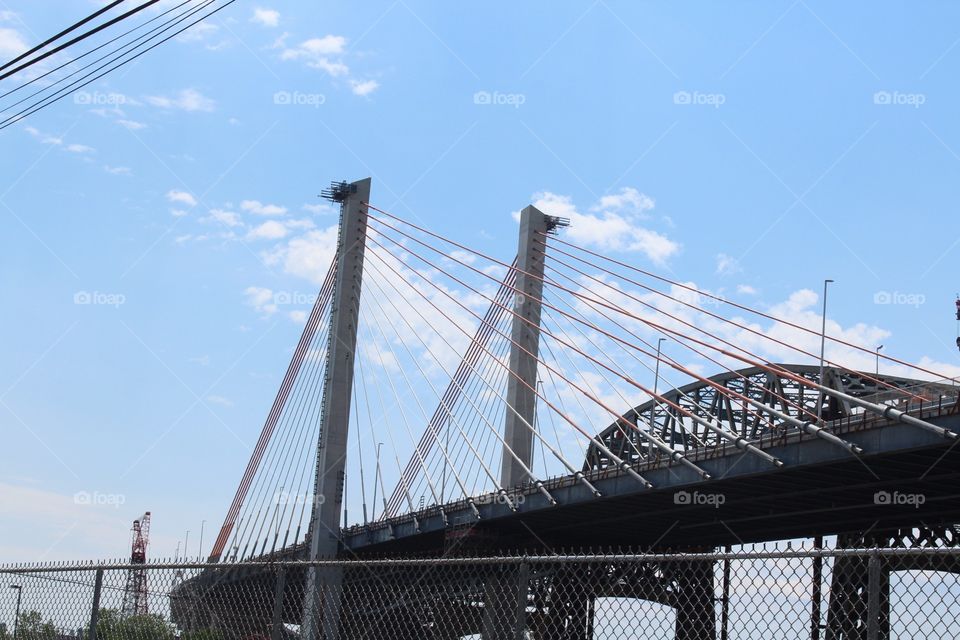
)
(751, 148)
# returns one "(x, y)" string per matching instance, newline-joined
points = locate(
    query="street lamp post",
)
(823, 343)
(200, 550)
(656, 379)
(376, 479)
(16, 616)
(878, 360)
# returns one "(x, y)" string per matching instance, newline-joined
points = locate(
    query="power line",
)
(67, 90)
(84, 55)
(82, 36)
(75, 25)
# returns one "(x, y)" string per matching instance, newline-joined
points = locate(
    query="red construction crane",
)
(135, 594)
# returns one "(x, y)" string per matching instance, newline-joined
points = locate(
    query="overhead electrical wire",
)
(54, 38)
(71, 61)
(80, 38)
(84, 81)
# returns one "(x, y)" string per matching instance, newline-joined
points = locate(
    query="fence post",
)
(725, 604)
(95, 608)
(873, 596)
(277, 623)
(816, 589)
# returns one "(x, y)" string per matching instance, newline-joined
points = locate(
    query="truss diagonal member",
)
(885, 411)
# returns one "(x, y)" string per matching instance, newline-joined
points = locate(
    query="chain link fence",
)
(863, 594)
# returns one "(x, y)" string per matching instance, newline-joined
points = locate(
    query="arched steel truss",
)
(734, 415)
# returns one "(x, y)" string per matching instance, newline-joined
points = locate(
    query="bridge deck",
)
(821, 489)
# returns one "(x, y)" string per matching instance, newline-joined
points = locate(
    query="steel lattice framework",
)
(778, 392)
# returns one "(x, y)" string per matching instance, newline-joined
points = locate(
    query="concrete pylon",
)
(321, 606)
(525, 334)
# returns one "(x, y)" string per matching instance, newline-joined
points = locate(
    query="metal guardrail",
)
(869, 594)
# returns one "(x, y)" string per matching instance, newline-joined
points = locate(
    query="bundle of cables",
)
(27, 85)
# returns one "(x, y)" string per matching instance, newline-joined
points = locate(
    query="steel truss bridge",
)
(757, 453)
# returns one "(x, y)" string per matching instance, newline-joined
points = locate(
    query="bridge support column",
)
(859, 600)
(321, 606)
(570, 614)
(505, 604)
(525, 334)
(694, 600)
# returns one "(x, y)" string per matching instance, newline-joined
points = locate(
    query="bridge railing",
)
(752, 593)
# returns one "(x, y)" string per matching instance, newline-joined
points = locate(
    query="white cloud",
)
(746, 290)
(258, 208)
(317, 53)
(177, 213)
(227, 218)
(307, 256)
(37, 521)
(326, 45)
(280, 42)
(224, 402)
(727, 265)
(298, 316)
(463, 256)
(12, 43)
(269, 230)
(133, 125)
(79, 148)
(44, 138)
(118, 171)
(261, 299)
(185, 100)
(175, 195)
(363, 88)
(266, 17)
(198, 32)
(613, 225)
(628, 199)
(322, 209)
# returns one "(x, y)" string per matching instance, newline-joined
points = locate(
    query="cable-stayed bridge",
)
(442, 400)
